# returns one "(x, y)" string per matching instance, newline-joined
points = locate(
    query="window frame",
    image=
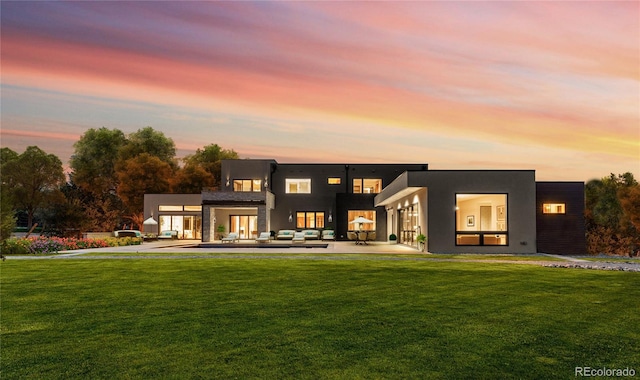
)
(360, 183)
(495, 238)
(254, 185)
(549, 206)
(297, 181)
(307, 216)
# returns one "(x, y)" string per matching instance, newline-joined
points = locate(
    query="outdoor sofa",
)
(311, 234)
(168, 234)
(285, 234)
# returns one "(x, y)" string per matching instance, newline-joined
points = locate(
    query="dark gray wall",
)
(323, 197)
(245, 169)
(562, 234)
(442, 187)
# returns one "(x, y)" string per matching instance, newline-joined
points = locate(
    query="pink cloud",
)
(559, 75)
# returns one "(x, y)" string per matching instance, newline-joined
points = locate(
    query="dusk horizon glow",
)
(546, 86)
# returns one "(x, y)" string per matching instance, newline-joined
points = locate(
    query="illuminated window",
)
(367, 186)
(481, 219)
(247, 185)
(298, 185)
(310, 220)
(354, 215)
(192, 208)
(169, 208)
(333, 181)
(553, 208)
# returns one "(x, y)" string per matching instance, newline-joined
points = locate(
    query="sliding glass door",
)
(246, 226)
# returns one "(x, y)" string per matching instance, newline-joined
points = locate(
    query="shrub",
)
(47, 245)
(15, 246)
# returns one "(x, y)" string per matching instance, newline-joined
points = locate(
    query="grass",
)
(318, 253)
(613, 259)
(283, 318)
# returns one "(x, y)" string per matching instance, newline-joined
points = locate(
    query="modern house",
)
(475, 211)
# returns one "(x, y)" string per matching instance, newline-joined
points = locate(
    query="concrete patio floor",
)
(190, 246)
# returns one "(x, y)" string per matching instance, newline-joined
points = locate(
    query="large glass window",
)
(246, 226)
(354, 220)
(309, 219)
(298, 185)
(367, 185)
(481, 219)
(409, 218)
(188, 226)
(247, 185)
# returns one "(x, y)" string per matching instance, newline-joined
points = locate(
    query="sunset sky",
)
(551, 86)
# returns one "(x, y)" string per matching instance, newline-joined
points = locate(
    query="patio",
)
(250, 246)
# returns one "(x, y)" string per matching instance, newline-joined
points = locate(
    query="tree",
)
(7, 209)
(612, 205)
(630, 202)
(210, 159)
(191, 179)
(33, 176)
(147, 140)
(94, 160)
(93, 171)
(142, 174)
(66, 214)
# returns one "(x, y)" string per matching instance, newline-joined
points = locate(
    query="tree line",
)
(109, 174)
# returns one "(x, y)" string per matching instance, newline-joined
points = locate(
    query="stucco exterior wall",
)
(520, 188)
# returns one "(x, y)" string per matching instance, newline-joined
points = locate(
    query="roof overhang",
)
(393, 198)
(404, 185)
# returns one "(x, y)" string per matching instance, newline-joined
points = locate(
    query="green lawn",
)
(286, 318)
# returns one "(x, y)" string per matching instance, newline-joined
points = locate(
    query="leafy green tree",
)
(7, 209)
(93, 172)
(142, 174)
(210, 159)
(149, 141)
(34, 177)
(94, 159)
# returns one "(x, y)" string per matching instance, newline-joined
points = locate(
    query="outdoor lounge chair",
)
(298, 237)
(232, 238)
(264, 237)
(328, 235)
